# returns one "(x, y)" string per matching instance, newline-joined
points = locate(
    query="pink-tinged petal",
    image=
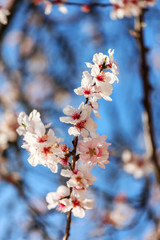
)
(74, 131)
(51, 200)
(79, 91)
(69, 110)
(78, 212)
(91, 126)
(53, 167)
(101, 165)
(63, 191)
(88, 203)
(66, 173)
(66, 119)
(34, 115)
(33, 161)
(96, 113)
(84, 133)
(71, 183)
(89, 65)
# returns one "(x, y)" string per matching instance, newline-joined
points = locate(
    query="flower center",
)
(76, 202)
(60, 207)
(91, 152)
(76, 116)
(140, 164)
(100, 77)
(42, 139)
(86, 91)
(64, 161)
(80, 125)
(46, 150)
(109, 65)
(99, 152)
(78, 179)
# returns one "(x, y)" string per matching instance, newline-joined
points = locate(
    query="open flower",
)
(79, 206)
(99, 59)
(80, 118)
(28, 123)
(75, 115)
(57, 199)
(80, 179)
(94, 150)
(87, 86)
(138, 166)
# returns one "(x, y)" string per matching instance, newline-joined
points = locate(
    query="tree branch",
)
(69, 215)
(144, 71)
(82, 4)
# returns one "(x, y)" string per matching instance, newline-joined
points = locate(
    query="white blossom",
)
(3, 15)
(80, 118)
(28, 123)
(8, 125)
(80, 179)
(57, 199)
(79, 206)
(138, 166)
(94, 150)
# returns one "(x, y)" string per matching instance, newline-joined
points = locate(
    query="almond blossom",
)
(87, 87)
(64, 203)
(94, 150)
(99, 59)
(56, 198)
(94, 89)
(79, 206)
(120, 215)
(28, 123)
(104, 62)
(8, 125)
(76, 116)
(138, 166)
(3, 15)
(80, 179)
(80, 118)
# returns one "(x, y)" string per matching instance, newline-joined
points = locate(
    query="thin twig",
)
(82, 4)
(68, 226)
(69, 215)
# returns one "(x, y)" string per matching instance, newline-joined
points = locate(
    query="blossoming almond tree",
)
(89, 149)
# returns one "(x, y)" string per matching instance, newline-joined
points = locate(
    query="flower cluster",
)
(40, 141)
(129, 8)
(89, 149)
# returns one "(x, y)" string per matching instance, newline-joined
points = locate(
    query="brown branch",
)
(144, 71)
(68, 226)
(69, 215)
(82, 4)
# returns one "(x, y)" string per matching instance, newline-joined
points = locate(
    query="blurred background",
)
(42, 58)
